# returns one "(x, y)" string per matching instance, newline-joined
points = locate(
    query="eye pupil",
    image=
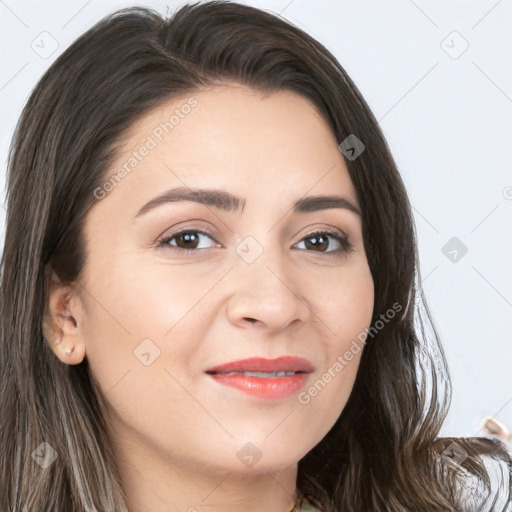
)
(321, 242)
(188, 237)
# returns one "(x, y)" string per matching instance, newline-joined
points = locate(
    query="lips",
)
(268, 379)
(259, 364)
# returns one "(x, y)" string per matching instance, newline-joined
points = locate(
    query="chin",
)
(253, 457)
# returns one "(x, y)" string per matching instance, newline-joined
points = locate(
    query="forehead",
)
(235, 138)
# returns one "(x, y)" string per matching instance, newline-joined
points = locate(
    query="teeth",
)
(263, 374)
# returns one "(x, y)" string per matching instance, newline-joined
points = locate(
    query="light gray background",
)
(447, 116)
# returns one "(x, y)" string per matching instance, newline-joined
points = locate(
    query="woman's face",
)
(259, 280)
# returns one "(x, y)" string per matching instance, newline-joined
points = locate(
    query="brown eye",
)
(321, 241)
(185, 240)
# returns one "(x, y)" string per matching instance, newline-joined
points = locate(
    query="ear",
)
(63, 323)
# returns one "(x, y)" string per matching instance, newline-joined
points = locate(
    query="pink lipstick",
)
(264, 378)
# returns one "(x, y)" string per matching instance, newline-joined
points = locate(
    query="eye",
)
(320, 240)
(186, 240)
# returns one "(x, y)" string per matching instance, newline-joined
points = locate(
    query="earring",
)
(69, 352)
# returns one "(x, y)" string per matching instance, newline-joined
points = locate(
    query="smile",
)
(270, 379)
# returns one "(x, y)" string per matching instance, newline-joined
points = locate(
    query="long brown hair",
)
(383, 453)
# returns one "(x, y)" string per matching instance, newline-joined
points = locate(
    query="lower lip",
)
(270, 388)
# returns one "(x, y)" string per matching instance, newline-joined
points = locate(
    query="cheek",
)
(139, 318)
(351, 315)
(346, 310)
(347, 304)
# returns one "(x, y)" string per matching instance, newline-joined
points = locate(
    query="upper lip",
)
(259, 364)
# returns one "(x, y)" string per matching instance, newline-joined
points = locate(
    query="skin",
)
(174, 430)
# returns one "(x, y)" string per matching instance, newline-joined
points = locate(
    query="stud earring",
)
(69, 352)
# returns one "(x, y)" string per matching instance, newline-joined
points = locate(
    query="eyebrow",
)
(228, 202)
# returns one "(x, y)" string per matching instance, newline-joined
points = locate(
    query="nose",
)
(265, 295)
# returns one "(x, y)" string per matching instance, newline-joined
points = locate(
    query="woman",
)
(208, 300)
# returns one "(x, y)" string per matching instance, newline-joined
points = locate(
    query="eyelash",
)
(346, 246)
